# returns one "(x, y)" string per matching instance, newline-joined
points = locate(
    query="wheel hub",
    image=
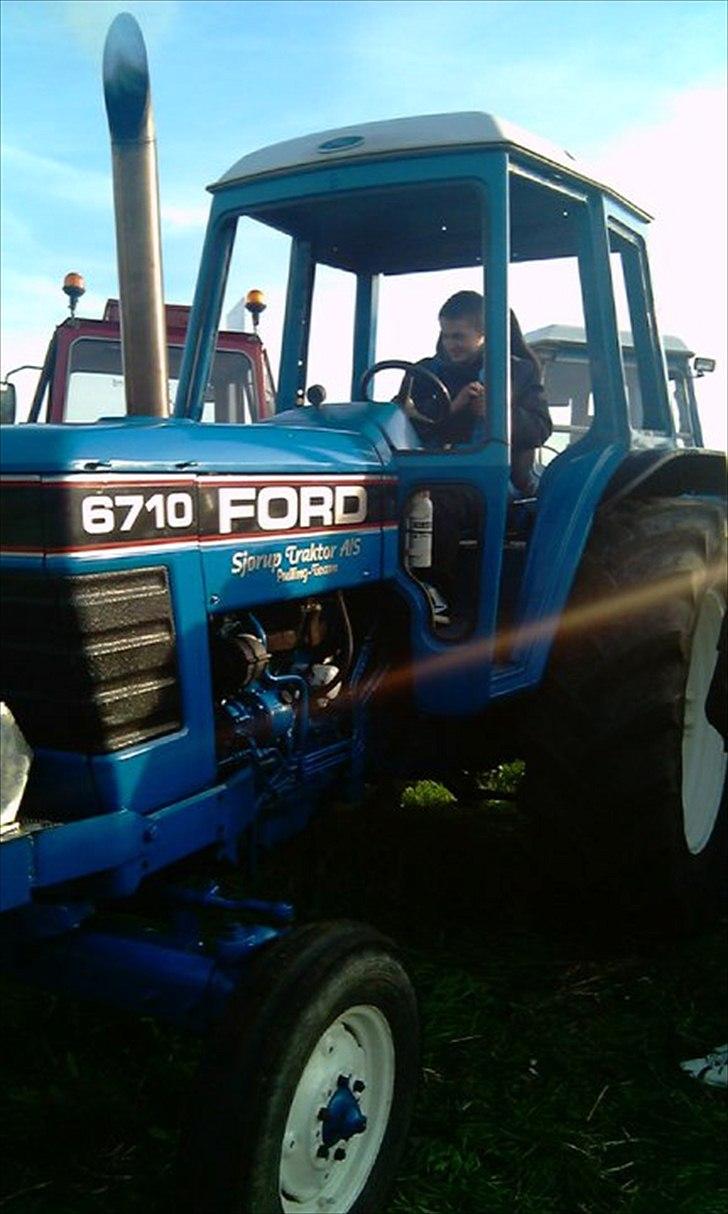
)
(342, 1117)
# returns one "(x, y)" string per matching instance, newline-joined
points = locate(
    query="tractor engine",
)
(279, 672)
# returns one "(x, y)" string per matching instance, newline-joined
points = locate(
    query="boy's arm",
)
(531, 421)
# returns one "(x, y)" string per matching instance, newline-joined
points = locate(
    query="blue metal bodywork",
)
(144, 808)
(162, 800)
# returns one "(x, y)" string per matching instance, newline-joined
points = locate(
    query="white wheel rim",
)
(703, 752)
(358, 1045)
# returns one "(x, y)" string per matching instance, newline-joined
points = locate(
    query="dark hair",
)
(468, 305)
(464, 305)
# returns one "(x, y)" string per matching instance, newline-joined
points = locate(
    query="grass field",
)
(551, 1080)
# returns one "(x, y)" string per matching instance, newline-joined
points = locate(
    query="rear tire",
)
(327, 1003)
(626, 777)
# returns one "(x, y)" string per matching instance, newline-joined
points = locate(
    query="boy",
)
(458, 363)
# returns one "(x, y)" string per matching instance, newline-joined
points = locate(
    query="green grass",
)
(552, 1083)
(551, 1080)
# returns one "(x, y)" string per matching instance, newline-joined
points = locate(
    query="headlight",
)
(15, 759)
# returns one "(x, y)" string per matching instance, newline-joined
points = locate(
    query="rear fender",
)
(668, 474)
(572, 489)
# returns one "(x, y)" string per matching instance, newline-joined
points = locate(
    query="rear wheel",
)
(304, 1101)
(626, 776)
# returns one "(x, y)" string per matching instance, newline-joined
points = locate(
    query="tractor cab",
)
(86, 378)
(405, 213)
(82, 376)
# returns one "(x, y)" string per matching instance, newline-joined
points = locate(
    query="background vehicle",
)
(209, 630)
(561, 350)
(82, 377)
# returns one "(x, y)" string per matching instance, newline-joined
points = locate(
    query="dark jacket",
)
(530, 420)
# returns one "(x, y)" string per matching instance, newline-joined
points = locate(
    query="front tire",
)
(304, 1101)
(626, 776)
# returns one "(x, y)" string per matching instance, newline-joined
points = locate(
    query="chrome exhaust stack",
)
(136, 207)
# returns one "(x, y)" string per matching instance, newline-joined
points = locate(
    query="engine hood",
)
(173, 486)
(144, 445)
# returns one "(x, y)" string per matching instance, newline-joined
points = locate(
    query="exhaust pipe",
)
(136, 207)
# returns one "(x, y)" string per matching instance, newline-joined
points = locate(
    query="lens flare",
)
(512, 644)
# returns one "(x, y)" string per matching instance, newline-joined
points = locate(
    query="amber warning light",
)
(255, 304)
(74, 287)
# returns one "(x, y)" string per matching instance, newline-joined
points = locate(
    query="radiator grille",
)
(89, 662)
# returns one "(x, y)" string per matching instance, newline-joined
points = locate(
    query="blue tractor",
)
(208, 629)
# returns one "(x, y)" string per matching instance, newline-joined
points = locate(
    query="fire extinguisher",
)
(418, 536)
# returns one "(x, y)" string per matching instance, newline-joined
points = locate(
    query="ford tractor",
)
(211, 627)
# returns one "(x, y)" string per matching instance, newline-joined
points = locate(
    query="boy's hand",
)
(470, 398)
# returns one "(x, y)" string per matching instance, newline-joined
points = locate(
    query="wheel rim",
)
(348, 1080)
(703, 753)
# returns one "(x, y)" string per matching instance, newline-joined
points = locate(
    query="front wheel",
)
(304, 1101)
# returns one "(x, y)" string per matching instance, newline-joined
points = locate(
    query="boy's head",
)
(461, 326)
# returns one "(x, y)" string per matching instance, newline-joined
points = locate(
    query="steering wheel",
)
(443, 400)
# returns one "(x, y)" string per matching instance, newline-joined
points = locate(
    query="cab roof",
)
(571, 335)
(393, 137)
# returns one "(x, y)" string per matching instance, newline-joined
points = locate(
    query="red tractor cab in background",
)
(82, 378)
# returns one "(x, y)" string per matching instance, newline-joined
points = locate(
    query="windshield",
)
(96, 383)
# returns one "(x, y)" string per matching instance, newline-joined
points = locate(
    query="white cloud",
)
(178, 219)
(93, 190)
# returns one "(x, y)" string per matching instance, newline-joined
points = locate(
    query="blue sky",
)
(636, 86)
